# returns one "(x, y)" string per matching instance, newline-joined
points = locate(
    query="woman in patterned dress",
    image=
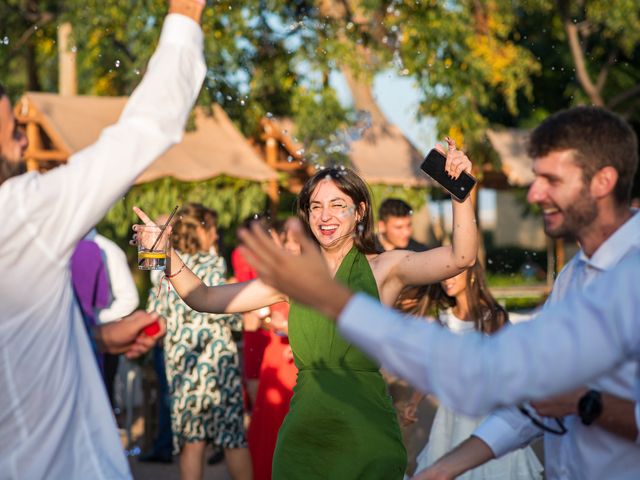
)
(202, 358)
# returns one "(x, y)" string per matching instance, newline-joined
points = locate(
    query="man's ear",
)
(604, 182)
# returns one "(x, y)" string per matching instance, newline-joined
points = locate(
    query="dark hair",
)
(349, 183)
(599, 138)
(487, 314)
(263, 219)
(3, 91)
(394, 207)
(191, 216)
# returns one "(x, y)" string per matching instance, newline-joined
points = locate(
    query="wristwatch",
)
(590, 406)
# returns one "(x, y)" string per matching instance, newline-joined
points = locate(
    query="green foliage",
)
(460, 55)
(513, 304)
(320, 118)
(233, 199)
(27, 44)
(416, 197)
(475, 63)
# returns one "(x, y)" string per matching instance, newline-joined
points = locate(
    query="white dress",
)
(450, 429)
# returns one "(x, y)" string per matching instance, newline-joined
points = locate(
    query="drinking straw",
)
(162, 229)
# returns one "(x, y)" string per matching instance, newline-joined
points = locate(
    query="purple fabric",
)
(89, 278)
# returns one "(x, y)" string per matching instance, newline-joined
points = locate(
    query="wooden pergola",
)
(382, 155)
(58, 126)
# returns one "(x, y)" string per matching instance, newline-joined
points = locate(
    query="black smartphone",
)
(433, 165)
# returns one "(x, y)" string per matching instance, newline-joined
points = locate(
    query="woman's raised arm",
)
(421, 268)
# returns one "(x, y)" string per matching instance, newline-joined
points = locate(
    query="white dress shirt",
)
(123, 292)
(567, 345)
(55, 418)
(584, 452)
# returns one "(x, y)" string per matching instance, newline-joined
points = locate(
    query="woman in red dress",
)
(275, 388)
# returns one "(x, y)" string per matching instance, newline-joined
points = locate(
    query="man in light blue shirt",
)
(584, 163)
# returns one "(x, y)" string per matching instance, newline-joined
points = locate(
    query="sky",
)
(398, 99)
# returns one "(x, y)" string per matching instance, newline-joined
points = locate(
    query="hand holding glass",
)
(153, 247)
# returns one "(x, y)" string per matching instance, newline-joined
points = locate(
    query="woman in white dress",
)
(463, 303)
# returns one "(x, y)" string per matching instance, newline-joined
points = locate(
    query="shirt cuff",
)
(181, 30)
(498, 435)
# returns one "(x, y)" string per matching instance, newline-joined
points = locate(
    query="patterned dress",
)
(202, 363)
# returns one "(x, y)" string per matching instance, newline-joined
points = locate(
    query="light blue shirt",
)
(584, 452)
(568, 344)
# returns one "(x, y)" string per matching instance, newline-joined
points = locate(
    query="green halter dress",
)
(341, 424)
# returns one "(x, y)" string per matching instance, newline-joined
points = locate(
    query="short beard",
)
(9, 169)
(577, 216)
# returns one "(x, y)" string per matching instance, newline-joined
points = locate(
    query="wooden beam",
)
(46, 155)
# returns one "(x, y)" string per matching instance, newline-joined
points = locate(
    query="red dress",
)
(254, 343)
(277, 378)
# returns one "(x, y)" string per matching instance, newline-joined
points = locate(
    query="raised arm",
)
(474, 373)
(70, 199)
(422, 268)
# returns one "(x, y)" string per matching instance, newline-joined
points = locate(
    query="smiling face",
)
(568, 208)
(455, 286)
(333, 216)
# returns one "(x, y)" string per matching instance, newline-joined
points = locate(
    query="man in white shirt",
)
(55, 419)
(585, 161)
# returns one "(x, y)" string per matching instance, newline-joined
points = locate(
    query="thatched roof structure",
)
(511, 146)
(382, 155)
(58, 126)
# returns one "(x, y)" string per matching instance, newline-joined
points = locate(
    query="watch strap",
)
(590, 406)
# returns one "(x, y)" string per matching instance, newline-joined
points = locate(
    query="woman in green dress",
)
(341, 423)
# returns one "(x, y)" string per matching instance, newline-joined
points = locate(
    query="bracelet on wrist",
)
(177, 273)
(169, 277)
